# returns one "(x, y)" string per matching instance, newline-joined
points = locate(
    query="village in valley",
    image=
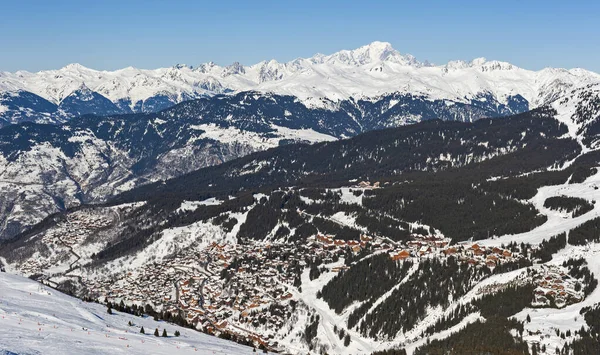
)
(249, 288)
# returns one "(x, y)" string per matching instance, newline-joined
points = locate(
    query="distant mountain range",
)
(368, 72)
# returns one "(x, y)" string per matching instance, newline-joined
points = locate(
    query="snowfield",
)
(38, 320)
(366, 72)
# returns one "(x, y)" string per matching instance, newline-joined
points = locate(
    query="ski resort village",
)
(253, 290)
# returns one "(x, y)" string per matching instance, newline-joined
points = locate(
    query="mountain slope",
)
(47, 168)
(367, 72)
(36, 319)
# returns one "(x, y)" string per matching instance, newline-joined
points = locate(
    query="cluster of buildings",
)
(367, 185)
(61, 239)
(246, 289)
(229, 288)
(555, 287)
(423, 246)
(472, 254)
(75, 227)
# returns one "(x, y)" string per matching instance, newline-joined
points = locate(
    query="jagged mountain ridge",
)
(367, 72)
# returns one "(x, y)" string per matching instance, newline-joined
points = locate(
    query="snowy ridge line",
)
(369, 71)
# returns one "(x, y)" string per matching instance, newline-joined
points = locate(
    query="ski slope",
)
(557, 222)
(39, 320)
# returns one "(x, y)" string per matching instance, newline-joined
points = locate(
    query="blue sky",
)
(109, 34)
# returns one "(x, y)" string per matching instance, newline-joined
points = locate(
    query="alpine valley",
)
(355, 203)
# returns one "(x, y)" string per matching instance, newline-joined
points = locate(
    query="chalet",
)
(287, 296)
(222, 325)
(339, 268)
(324, 239)
(415, 244)
(440, 243)
(365, 238)
(450, 251)
(492, 257)
(401, 255)
(364, 184)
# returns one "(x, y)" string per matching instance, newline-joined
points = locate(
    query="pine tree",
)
(109, 310)
(164, 333)
(142, 331)
(347, 340)
(177, 333)
(156, 332)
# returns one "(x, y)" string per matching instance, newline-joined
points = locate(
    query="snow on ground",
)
(368, 71)
(232, 135)
(187, 206)
(349, 197)
(471, 318)
(328, 317)
(345, 219)
(556, 223)
(38, 320)
(308, 135)
(546, 320)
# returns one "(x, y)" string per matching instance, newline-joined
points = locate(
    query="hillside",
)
(36, 319)
(46, 168)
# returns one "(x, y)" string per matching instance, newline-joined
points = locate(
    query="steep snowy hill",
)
(39, 320)
(370, 71)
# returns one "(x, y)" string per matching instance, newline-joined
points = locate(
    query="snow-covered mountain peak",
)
(372, 53)
(481, 64)
(182, 66)
(583, 73)
(83, 91)
(365, 72)
(75, 68)
(234, 69)
(478, 61)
